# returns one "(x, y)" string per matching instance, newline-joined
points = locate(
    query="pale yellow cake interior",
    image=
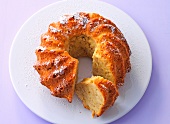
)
(83, 45)
(90, 95)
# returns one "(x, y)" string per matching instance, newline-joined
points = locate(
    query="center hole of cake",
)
(85, 68)
(82, 48)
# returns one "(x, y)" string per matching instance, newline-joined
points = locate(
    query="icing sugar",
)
(105, 20)
(76, 16)
(56, 61)
(116, 50)
(54, 30)
(111, 27)
(81, 20)
(103, 86)
(60, 71)
(46, 63)
(46, 37)
(63, 19)
(52, 50)
(40, 48)
(84, 22)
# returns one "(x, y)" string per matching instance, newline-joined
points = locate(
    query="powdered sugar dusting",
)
(111, 27)
(56, 61)
(54, 30)
(76, 16)
(104, 20)
(41, 49)
(46, 37)
(103, 86)
(63, 19)
(81, 20)
(52, 50)
(84, 22)
(115, 50)
(46, 63)
(95, 25)
(60, 71)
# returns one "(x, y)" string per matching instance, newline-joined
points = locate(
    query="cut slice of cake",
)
(97, 94)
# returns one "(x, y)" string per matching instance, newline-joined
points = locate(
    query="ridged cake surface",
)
(82, 34)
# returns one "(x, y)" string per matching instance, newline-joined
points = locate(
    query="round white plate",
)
(37, 97)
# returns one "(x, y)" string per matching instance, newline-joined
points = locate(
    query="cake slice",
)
(97, 94)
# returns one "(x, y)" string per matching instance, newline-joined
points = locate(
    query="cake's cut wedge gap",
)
(84, 68)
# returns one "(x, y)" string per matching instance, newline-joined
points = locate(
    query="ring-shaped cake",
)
(82, 35)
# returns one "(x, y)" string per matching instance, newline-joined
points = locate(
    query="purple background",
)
(153, 16)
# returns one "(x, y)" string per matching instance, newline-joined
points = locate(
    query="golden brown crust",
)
(50, 41)
(58, 72)
(111, 53)
(97, 21)
(110, 94)
(125, 55)
(108, 39)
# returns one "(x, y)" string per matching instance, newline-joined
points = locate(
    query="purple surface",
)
(153, 16)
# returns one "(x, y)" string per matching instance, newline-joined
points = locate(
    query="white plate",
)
(37, 97)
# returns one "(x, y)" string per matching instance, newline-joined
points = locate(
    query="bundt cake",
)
(78, 35)
(97, 94)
